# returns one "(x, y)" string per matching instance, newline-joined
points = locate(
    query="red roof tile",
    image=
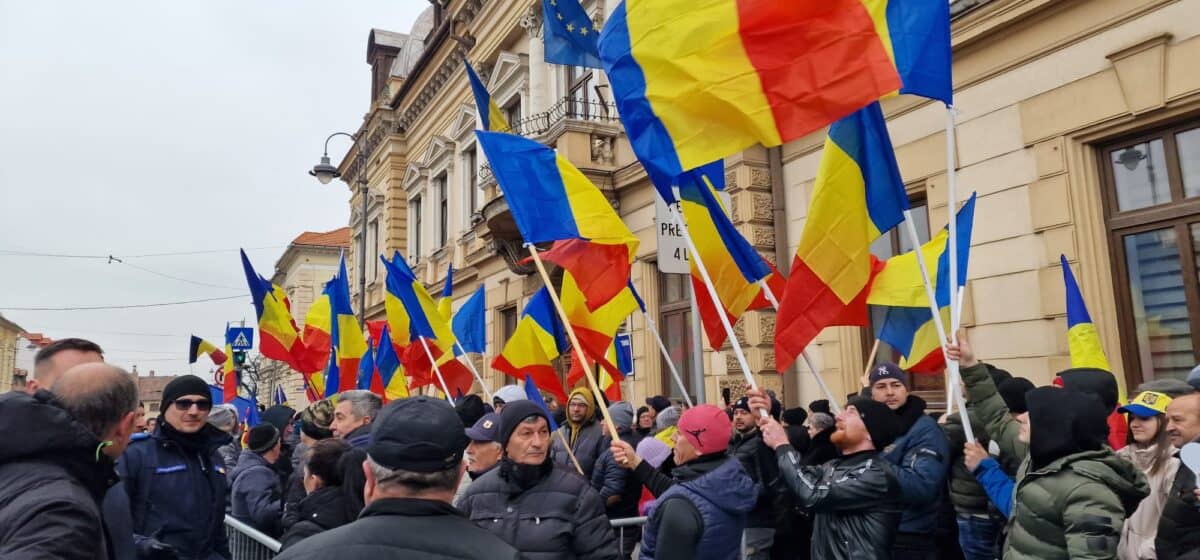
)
(337, 238)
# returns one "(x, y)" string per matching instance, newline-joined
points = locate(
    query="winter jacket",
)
(854, 501)
(1137, 537)
(1179, 529)
(759, 462)
(996, 483)
(320, 511)
(229, 457)
(256, 499)
(54, 479)
(610, 479)
(703, 514)
(588, 443)
(118, 522)
(557, 517)
(404, 528)
(921, 458)
(820, 449)
(176, 487)
(353, 479)
(987, 407)
(967, 495)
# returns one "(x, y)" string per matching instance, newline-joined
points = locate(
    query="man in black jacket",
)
(855, 499)
(57, 462)
(414, 463)
(1179, 528)
(540, 508)
(759, 462)
(619, 491)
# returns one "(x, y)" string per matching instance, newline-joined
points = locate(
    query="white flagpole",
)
(833, 401)
(475, 372)
(662, 347)
(437, 370)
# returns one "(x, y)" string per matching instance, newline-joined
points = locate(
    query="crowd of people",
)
(1060, 471)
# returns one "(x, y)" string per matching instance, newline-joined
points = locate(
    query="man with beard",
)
(583, 433)
(759, 462)
(854, 499)
(921, 459)
(541, 509)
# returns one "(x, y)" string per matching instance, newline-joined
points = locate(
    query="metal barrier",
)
(628, 524)
(248, 543)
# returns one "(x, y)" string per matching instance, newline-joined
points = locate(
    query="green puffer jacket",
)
(966, 493)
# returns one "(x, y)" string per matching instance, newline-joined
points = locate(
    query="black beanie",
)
(262, 438)
(658, 403)
(1013, 392)
(819, 405)
(181, 386)
(998, 375)
(279, 416)
(795, 416)
(513, 414)
(470, 409)
(883, 424)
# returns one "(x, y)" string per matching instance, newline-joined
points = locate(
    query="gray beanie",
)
(667, 418)
(1193, 378)
(223, 417)
(622, 414)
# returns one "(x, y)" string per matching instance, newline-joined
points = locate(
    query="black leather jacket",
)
(854, 501)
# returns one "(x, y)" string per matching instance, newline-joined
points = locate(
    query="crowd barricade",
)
(623, 524)
(248, 543)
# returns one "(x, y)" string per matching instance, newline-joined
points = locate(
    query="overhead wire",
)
(131, 306)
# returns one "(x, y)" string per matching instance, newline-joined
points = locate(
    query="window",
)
(512, 112)
(675, 322)
(1152, 197)
(372, 250)
(471, 183)
(414, 208)
(583, 102)
(439, 186)
(508, 324)
(932, 387)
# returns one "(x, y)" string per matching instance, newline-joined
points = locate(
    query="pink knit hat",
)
(706, 427)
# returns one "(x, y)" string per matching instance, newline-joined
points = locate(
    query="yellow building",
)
(10, 342)
(1076, 124)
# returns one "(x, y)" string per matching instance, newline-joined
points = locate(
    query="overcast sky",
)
(135, 128)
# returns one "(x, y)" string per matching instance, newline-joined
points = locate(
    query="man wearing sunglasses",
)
(176, 479)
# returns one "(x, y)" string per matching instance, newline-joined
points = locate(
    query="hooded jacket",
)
(1073, 493)
(256, 498)
(921, 458)
(320, 511)
(1179, 528)
(54, 482)
(703, 514)
(966, 493)
(759, 462)
(1103, 385)
(176, 486)
(586, 438)
(854, 501)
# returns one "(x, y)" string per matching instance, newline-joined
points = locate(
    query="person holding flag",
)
(581, 429)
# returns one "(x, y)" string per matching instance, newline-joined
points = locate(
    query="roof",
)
(337, 238)
(37, 339)
(9, 324)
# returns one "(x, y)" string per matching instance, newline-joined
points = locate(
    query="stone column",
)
(539, 70)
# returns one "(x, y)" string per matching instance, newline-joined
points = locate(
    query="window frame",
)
(682, 307)
(442, 192)
(1177, 214)
(414, 254)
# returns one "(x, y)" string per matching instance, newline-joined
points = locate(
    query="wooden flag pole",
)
(475, 372)
(866, 377)
(808, 362)
(562, 314)
(437, 370)
(571, 454)
(666, 354)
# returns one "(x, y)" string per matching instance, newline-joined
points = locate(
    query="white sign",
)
(672, 248)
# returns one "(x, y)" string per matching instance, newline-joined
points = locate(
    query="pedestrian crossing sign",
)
(242, 338)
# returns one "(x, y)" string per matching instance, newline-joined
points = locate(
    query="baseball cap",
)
(1147, 404)
(487, 428)
(706, 427)
(418, 434)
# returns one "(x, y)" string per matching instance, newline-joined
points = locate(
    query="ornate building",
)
(11, 342)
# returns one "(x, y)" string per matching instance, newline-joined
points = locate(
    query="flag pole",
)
(870, 363)
(567, 446)
(475, 372)
(562, 314)
(437, 370)
(712, 293)
(953, 391)
(666, 354)
(808, 362)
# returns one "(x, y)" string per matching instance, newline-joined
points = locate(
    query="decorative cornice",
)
(531, 21)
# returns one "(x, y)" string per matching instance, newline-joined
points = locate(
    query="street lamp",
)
(326, 172)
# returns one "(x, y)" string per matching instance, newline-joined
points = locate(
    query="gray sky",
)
(130, 128)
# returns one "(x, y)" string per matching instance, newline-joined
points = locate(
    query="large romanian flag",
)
(200, 346)
(597, 328)
(349, 345)
(490, 115)
(538, 339)
(391, 373)
(698, 80)
(552, 201)
(858, 196)
(908, 325)
(279, 337)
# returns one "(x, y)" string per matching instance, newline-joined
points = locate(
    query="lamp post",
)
(325, 172)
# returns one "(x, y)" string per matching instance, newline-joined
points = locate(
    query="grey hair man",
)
(224, 417)
(413, 465)
(60, 468)
(353, 415)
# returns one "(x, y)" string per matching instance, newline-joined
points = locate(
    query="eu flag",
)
(570, 37)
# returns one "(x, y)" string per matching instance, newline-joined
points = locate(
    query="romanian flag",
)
(596, 329)
(470, 325)
(280, 337)
(490, 115)
(857, 197)
(908, 325)
(411, 309)
(539, 338)
(229, 380)
(698, 80)
(200, 346)
(346, 336)
(445, 304)
(318, 330)
(1082, 338)
(366, 371)
(916, 36)
(552, 201)
(391, 373)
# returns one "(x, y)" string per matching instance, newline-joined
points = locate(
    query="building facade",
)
(1076, 126)
(10, 343)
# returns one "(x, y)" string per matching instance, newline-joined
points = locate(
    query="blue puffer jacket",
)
(723, 496)
(922, 461)
(177, 496)
(256, 497)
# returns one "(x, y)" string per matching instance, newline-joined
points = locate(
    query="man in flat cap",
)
(414, 464)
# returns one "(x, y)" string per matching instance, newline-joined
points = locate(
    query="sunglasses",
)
(184, 405)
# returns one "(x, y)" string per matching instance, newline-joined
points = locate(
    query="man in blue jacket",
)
(176, 479)
(921, 461)
(257, 496)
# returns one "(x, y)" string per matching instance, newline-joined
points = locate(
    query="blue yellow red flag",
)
(229, 380)
(280, 339)
(199, 346)
(916, 36)
(490, 115)
(1082, 338)
(537, 340)
(391, 372)
(446, 303)
(595, 329)
(858, 196)
(349, 344)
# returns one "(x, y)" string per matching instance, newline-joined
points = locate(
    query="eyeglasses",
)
(184, 405)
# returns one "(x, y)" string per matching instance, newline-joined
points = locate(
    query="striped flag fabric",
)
(280, 339)
(199, 346)
(491, 117)
(349, 344)
(391, 372)
(538, 339)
